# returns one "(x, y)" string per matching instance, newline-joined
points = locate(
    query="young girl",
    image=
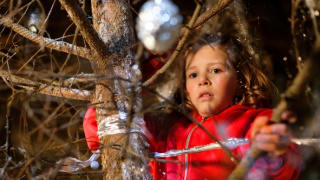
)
(227, 94)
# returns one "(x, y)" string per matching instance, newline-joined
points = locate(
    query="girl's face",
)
(210, 83)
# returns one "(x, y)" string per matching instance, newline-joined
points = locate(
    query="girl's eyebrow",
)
(209, 64)
(214, 63)
(190, 68)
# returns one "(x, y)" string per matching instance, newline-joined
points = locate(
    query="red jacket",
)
(158, 127)
(234, 122)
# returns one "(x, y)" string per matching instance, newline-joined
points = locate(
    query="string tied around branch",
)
(116, 124)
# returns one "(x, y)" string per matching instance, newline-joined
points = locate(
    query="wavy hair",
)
(254, 86)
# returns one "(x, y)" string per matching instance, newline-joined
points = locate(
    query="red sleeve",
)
(173, 169)
(90, 129)
(176, 170)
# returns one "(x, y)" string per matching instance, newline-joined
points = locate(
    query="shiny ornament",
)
(158, 25)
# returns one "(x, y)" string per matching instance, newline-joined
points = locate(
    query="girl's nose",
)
(204, 81)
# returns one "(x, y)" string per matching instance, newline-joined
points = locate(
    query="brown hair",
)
(254, 86)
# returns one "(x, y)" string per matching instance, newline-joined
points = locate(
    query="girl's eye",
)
(193, 75)
(215, 71)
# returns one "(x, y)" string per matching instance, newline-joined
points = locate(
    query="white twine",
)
(116, 124)
(70, 164)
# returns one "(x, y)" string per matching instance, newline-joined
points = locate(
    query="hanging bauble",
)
(158, 25)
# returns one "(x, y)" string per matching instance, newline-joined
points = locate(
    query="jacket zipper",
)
(186, 146)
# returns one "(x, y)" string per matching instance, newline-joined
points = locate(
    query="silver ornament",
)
(158, 25)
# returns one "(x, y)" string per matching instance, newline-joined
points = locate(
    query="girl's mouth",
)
(205, 95)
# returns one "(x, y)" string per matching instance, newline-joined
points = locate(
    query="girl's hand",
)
(272, 138)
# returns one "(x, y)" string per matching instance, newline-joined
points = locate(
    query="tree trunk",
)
(113, 21)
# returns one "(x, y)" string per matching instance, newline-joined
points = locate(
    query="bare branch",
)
(80, 19)
(291, 96)
(47, 89)
(84, 78)
(47, 42)
(211, 12)
(293, 20)
(63, 92)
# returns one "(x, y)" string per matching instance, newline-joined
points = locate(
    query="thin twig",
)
(88, 32)
(219, 6)
(8, 125)
(46, 42)
(47, 89)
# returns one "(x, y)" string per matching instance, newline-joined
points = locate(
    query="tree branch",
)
(289, 98)
(47, 89)
(293, 20)
(47, 42)
(219, 6)
(88, 32)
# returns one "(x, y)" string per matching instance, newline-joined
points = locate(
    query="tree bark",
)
(114, 23)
